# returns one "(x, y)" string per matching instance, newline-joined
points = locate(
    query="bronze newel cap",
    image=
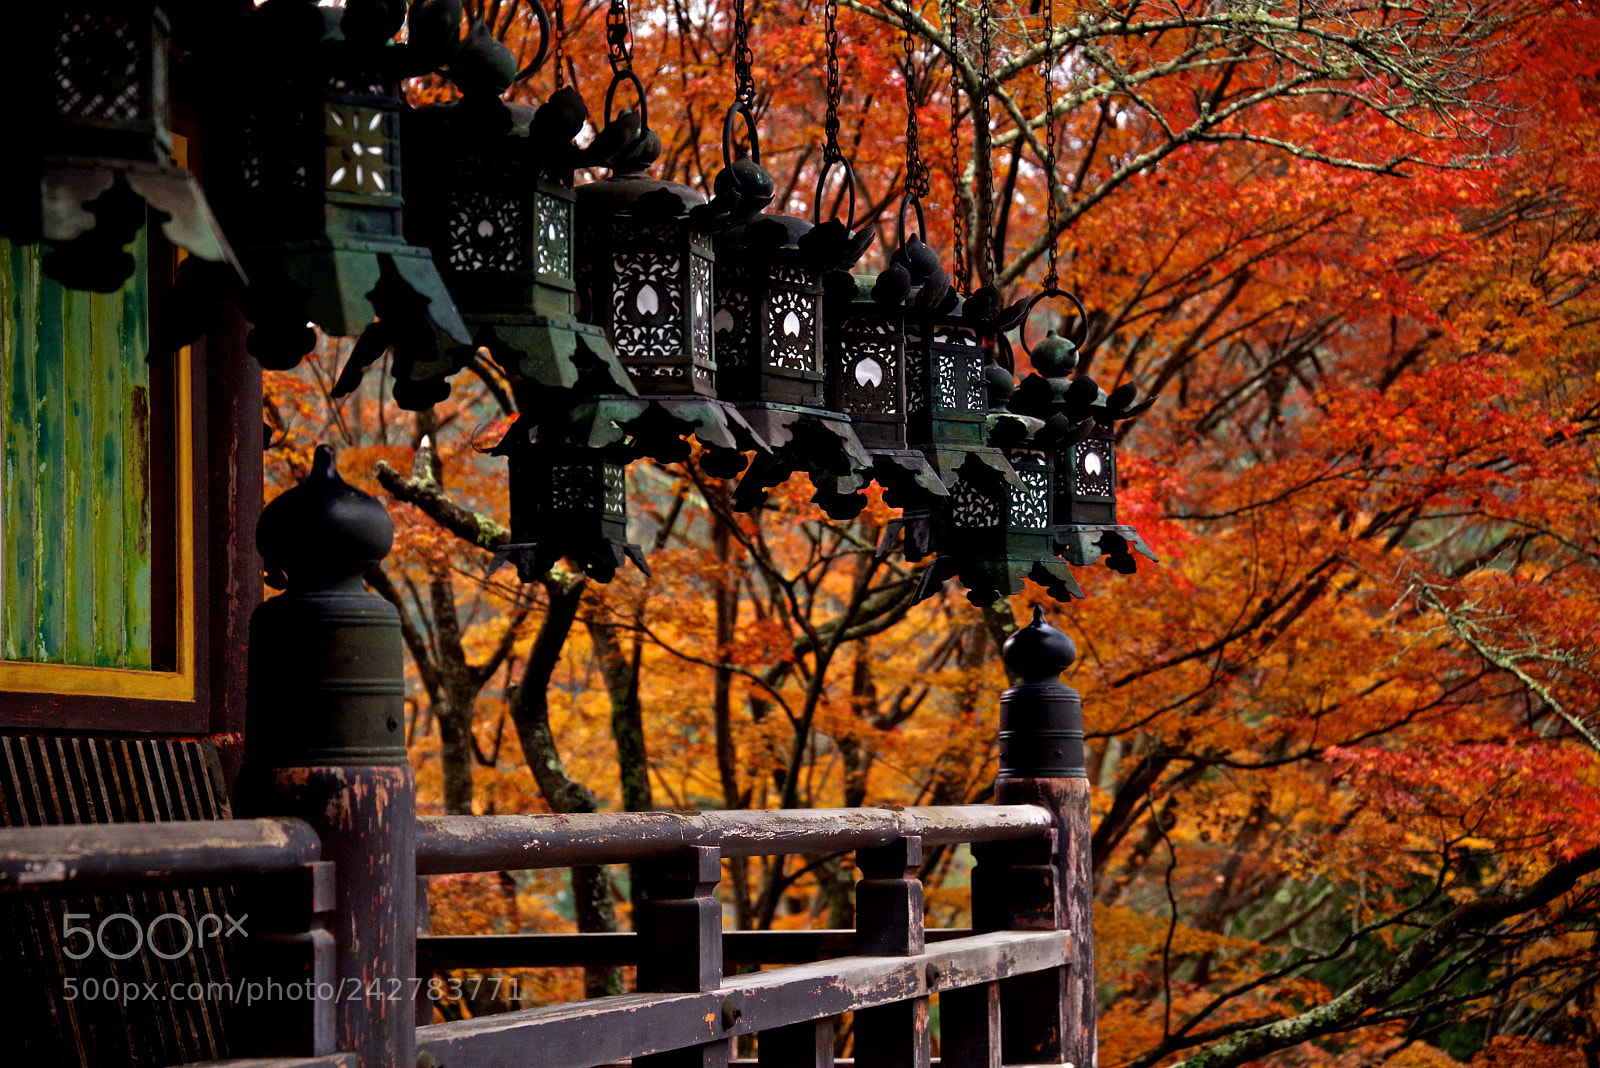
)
(1038, 652)
(323, 533)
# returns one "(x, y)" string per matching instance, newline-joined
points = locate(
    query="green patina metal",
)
(75, 524)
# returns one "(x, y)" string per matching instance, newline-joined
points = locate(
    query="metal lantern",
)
(865, 373)
(769, 330)
(566, 501)
(318, 196)
(1082, 440)
(645, 273)
(492, 191)
(1086, 497)
(993, 540)
(93, 155)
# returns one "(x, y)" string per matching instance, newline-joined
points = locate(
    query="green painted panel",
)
(75, 524)
(17, 499)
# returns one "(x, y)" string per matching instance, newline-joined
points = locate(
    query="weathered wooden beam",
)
(607, 1030)
(121, 854)
(452, 844)
(621, 948)
(344, 1059)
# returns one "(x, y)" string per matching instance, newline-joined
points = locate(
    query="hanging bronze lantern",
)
(317, 196)
(865, 352)
(1081, 437)
(991, 535)
(993, 541)
(492, 193)
(645, 273)
(94, 155)
(769, 334)
(567, 501)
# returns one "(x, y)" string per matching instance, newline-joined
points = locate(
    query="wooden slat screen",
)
(52, 781)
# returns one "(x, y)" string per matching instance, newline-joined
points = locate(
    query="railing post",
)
(325, 741)
(679, 921)
(1048, 1017)
(289, 944)
(889, 923)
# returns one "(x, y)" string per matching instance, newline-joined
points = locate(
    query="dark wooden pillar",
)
(889, 923)
(1048, 1017)
(324, 742)
(679, 921)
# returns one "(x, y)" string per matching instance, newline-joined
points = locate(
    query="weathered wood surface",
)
(452, 844)
(606, 1030)
(969, 1027)
(363, 816)
(622, 948)
(332, 1060)
(33, 859)
(1068, 800)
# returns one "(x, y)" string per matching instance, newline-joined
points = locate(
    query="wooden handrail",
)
(73, 856)
(454, 844)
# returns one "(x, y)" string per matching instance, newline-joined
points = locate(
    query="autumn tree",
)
(1343, 738)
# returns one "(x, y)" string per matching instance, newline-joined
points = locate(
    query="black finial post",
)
(1042, 763)
(325, 740)
(1041, 720)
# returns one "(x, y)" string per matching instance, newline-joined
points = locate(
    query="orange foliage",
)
(1359, 690)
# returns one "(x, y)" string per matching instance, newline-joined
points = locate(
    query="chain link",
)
(744, 82)
(984, 162)
(917, 178)
(830, 126)
(617, 37)
(561, 43)
(952, 23)
(1051, 212)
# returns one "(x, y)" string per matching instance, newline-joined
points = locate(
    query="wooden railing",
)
(1001, 983)
(688, 1011)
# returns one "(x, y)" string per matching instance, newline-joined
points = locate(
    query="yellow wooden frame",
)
(23, 677)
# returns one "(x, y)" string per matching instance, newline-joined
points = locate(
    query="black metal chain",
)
(744, 82)
(1051, 212)
(917, 178)
(830, 126)
(952, 22)
(561, 42)
(617, 37)
(984, 165)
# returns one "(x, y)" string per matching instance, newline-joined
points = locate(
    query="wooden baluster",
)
(287, 944)
(1047, 1017)
(802, 1045)
(424, 992)
(969, 1026)
(679, 921)
(889, 924)
(1013, 888)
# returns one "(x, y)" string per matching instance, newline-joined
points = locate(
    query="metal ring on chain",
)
(1027, 313)
(542, 17)
(739, 107)
(922, 222)
(638, 87)
(850, 189)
